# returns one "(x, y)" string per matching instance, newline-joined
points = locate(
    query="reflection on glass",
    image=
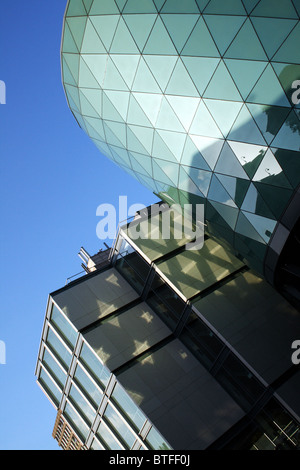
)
(50, 387)
(156, 441)
(128, 407)
(66, 330)
(76, 422)
(82, 406)
(92, 362)
(107, 438)
(87, 386)
(59, 349)
(119, 426)
(57, 373)
(133, 268)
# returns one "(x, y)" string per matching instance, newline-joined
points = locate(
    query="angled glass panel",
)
(98, 371)
(289, 135)
(209, 148)
(76, 9)
(244, 227)
(136, 114)
(201, 178)
(175, 142)
(120, 101)
(162, 170)
(123, 42)
(245, 129)
(91, 42)
(250, 156)
(250, 4)
(228, 90)
(203, 123)
(276, 200)
(49, 386)
(201, 69)
(71, 68)
(140, 26)
(268, 90)
(112, 78)
(150, 103)
(218, 193)
(245, 73)
(223, 29)
(109, 110)
(68, 44)
(63, 326)
(119, 130)
(161, 67)
(200, 42)
(146, 6)
(82, 405)
(288, 74)
(86, 108)
(192, 157)
(179, 27)
(133, 142)
(167, 118)
(230, 7)
(145, 135)
(262, 225)
(105, 27)
(272, 32)
(119, 426)
(121, 4)
(110, 137)
(59, 349)
(159, 41)
(269, 119)
(72, 93)
(105, 7)
(141, 163)
(93, 96)
(107, 438)
(58, 374)
(77, 28)
(185, 183)
(236, 187)
(228, 213)
(253, 202)
(156, 440)
(127, 66)
(87, 386)
(228, 164)
(76, 421)
(188, 6)
(246, 45)
(128, 407)
(161, 150)
(269, 8)
(87, 4)
(289, 52)
(290, 163)
(224, 113)
(144, 80)
(185, 108)
(92, 70)
(94, 128)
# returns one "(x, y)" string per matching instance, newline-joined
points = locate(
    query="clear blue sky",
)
(52, 181)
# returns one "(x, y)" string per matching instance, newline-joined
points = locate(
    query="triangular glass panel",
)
(268, 90)
(166, 172)
(228, 213)
(145, 136)
(250, 5)
(254, 49)
(95, 128)
(192, 157)
(73, 95)
(67, 76)
(288, 136)
(223, 28)
(87, 4)
(159, 41)
(110, 137)
(110, 112)
(122, 155)
(86, 108)
(143, 161)
(202, 4)
(250, 156)
(92, 70)
(119, 130)
(123, 42)
(201, 178)
(236, 187)
(289, 51)
(245, 73)
(290, 164)
(185, 183)
(159, 4)
(76, 9)
(253, 202)
(175, 142)
(200, 42)
(277, 200)
(112, 78)
(201, 69)
(140, 27)
(121, 4)
(105, 7)
(161, 150)
(209, 148)
(245, 227)
(296, 4)
(222, 86)
(224, 113)
(180, 82)
(269, 8)
(228, 163)
(161, 68)
(105, 27)
(203, 123)
(68, 43)
(245, 129)
(136, 114)
(185, 108)
(127, 66)
(262, 225)
(146, 6)
(218, 193)
(272, 32)
(150, 103)
(72, 61)
(167, 119)
(179, 27)
(133, 143)
(79, 119)
(91, 42)
(144, 80)
(120, 100)
(188, 6)
(268, 119)
(230, 7)
(288, 74)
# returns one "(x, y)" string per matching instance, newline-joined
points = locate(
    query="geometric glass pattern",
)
(195, 100)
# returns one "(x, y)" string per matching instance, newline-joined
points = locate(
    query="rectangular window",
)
(126, 405)
(156, 441)
(58, 349)
(119, 426)
(107, 438)
(94, 365)
(82, 405)
(76, 422)
(49, 386)
(54, 369)
(64, 328)
(88, 387)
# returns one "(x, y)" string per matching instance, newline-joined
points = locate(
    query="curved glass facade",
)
(198, 100)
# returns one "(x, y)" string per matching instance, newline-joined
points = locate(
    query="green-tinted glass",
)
(268, 90)
(140, 27)
(230, 7)
(272, 32)
(269, 8)
(134, 6)
(246, 45)
(201, 70)
(227, 91)
(105, 7)
(200, 42)
(159, 41)
(77, 26)
(179, 27)
(245, 129)
(245, 73)
(223, 29)
(224, 113)
(203, 123)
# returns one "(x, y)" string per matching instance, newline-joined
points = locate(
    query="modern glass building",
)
(164, 348)
(199, 100)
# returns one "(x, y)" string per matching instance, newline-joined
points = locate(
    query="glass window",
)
(49, 386)
(54, 369)
(132, 267)
(156, 441)
(76, 422)
(124, 433)
(81, 404)
(88, 386)
(107, 438)
(98, 371)
(128, 407)
(58, 348)
(64, 327)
